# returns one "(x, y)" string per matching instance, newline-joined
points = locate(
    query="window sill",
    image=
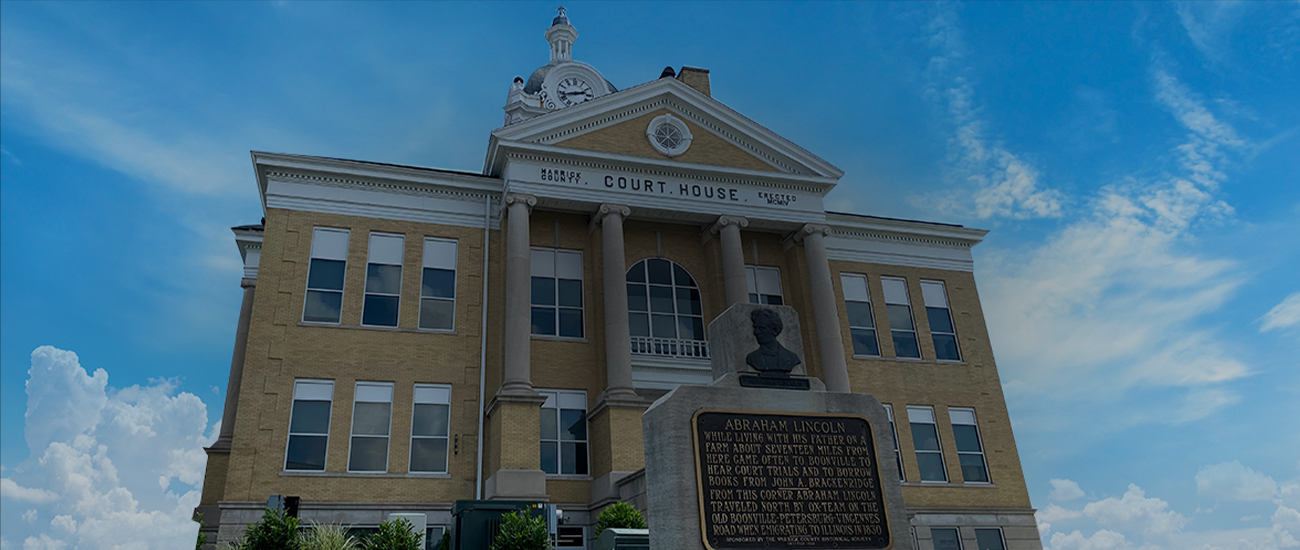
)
(451, 332)
(564, 477)
(908, 360)
(291, 473)
(550, 338)
(948, 484)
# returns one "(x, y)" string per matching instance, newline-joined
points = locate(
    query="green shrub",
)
(275, 531)
(519, 531)
(445, 544)
(619, 515)
(330, 536)
(396, 534)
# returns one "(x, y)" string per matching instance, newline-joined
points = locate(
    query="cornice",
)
(411, 188)
(906, 231)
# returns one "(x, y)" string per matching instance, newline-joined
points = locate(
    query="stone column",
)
(236, 367)
(518, 331)
(835, 370)
(512, 454)
(733, 258)
(618, 347)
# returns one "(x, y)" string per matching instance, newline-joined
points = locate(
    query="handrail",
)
(670, 347)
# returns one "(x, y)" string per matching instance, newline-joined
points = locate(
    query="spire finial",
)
(561, 17)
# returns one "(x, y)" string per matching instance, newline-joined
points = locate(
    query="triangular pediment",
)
(616, 124)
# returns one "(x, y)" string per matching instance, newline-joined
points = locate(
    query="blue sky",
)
(1136, 162)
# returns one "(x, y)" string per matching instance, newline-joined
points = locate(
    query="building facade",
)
(410, 337)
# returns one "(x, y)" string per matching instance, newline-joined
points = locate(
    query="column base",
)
(516, 485)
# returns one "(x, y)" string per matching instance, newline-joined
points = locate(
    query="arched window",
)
(664, 311)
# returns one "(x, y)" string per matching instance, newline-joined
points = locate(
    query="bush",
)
(519, 531)
(328, 537)
(275, 531)
(445, 544)
(396, 534)
(619, 515)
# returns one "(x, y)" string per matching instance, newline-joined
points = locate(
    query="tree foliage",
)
(275, 531)
(519, 531)
(619, 515)
(396, 534)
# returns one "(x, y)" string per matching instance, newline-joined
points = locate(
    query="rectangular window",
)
(557, 292)
(925, 436)
(309, 425)
(970, 450)
(329, 260)
(372, 415)
(430, 425)
(862, 324)
(901, 326)
(764, 285)
(990, 539)
(893, 431)
(945, 538)
(383, 280)
(438, 285)
(564, 432)
(940, 316)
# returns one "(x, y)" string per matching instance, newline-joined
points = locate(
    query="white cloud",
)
(1064, 489)
(993, 180)
(29, 516)
(1113, 305)
(1286, 314)
(1101, 540)
(1054, 512)
(1233, 481)
(1135, 512)
(118, 461)
(1209, 26)
(11, 490)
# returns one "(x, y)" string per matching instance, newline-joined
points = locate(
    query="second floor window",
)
(901, 326)
(663, 301)
(940, 317)
(764, 285)
(383, 280)
(438, 285)
(862, 325)
(557, 292)
(329, 260)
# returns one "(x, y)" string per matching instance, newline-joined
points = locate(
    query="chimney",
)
(695, 78)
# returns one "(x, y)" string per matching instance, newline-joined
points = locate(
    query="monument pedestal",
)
(732, 467)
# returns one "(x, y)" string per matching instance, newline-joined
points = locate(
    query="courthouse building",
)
(411, 336)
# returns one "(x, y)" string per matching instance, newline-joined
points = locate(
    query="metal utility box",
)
(478, 521)
(623, 539)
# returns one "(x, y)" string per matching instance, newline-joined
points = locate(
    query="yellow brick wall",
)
(972, 383)
(629, 138)
(282, 349)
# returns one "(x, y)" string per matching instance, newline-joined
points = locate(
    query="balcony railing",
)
(670, 347)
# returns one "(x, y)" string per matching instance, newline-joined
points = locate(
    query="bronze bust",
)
(771, 358)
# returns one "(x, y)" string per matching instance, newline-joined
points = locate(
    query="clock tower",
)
(560, 83)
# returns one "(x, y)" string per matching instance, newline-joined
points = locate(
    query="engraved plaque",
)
(788, 481)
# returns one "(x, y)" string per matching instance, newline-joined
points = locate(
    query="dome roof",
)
(534, 84)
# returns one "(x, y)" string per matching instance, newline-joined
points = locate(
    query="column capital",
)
(528, 200)
(808, 230)
(723, 221)
(607, 209)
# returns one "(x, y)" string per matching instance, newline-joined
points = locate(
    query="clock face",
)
(573, 90)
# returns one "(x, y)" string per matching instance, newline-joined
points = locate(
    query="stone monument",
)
(765, 457)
